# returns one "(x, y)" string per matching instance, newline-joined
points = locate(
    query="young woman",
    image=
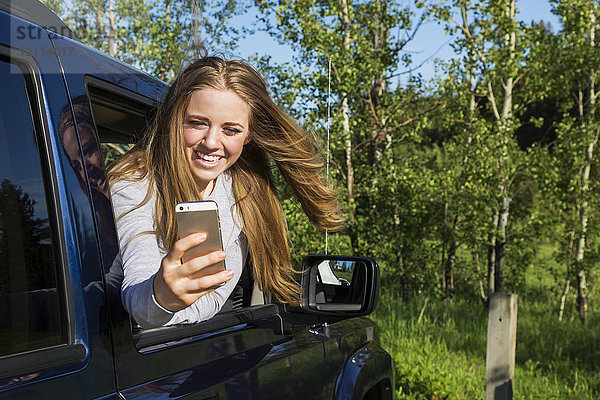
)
(213, 138)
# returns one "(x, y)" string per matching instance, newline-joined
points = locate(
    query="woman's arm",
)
(143, 257)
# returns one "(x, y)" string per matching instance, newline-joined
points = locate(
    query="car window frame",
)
(71, 351)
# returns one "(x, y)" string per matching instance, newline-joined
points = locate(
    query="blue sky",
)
(429, 43)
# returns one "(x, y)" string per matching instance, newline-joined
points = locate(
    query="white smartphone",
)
(196, 217)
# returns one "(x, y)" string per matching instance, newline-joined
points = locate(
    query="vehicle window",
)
(32, 312)
(119, 121)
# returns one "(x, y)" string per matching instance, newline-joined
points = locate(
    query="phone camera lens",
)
(181, 208)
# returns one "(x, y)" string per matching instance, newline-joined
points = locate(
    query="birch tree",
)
(578, 133)
(495, 54)
(364, 42)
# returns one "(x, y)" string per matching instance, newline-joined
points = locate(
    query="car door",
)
(53, 324)
(341, 291)
(243, 353)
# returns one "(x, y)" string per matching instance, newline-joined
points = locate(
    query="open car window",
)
(120, 118)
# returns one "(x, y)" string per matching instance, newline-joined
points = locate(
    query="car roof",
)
(37, 13)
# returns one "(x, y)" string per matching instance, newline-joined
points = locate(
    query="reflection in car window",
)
(30, 307)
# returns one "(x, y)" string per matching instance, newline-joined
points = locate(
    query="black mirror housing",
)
(342, 286)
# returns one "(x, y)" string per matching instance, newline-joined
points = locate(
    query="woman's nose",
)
(211, 139)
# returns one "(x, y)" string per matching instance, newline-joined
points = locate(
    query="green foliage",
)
(157, 36)
(374, 128)
(422, 172)
(432, 357)
(112, 151)
(442, 355)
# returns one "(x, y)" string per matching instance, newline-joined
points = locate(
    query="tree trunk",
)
(581, 295)
(444, 244)
(567, 286)
(346, 134)
(510, 41)
(482, 293)
(497, 245)
(583, 221)
(501, 244)
(450, 262)
(380, 40)
(112, 36)
(504, 124)
(472, 102)
(449, 259)
(585, 115)
(492, 254)
(196, 39)
(563, 298)
(348, 149)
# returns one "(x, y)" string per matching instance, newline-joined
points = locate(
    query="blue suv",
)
(64, 333)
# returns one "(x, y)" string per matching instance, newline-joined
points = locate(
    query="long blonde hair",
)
(159, 157)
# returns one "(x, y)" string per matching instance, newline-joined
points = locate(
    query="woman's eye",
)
(232, 131)
(193, 122)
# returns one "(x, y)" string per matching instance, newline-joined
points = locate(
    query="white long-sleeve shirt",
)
(142, 254)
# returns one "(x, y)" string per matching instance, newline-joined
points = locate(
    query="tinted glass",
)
(30, 306)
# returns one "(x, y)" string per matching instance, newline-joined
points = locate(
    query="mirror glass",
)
(340, 284)
(336, 272)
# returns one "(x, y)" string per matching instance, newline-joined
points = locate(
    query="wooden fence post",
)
(501, 344)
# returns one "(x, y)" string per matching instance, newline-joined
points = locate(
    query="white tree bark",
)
(346, 134)
(567, 285)
(585, 179)
(345, 110)
(112, 30)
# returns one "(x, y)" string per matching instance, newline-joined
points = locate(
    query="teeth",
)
(208, 158)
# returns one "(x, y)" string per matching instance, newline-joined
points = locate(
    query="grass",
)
(442, 355)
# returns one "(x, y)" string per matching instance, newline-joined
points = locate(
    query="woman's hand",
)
(178, 285)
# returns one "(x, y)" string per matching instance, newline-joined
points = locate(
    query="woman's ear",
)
(247, 140)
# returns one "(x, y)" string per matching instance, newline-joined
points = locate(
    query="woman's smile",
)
(207, 160)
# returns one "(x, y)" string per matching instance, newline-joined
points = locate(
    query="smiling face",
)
(215, 130)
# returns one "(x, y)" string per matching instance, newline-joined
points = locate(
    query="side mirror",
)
(339, 285)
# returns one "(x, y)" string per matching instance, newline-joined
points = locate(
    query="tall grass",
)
(442, 355)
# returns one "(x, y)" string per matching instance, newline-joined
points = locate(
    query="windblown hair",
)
(159, 157)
